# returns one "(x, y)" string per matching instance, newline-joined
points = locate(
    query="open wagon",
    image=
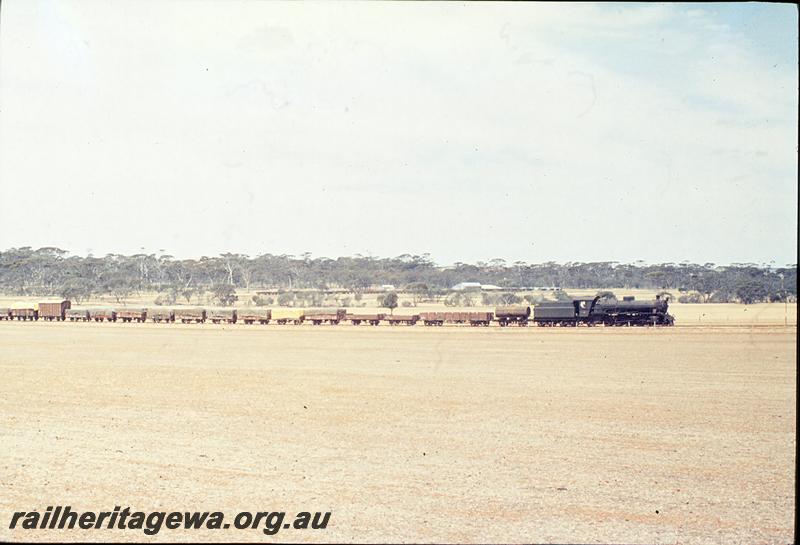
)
(75, 315)
(286, 315)
(103, 315)
(254, 315)
(331, 316)
(132, 315)
(223, 316)
(405, 319)
(189, 315)
(25, 311)
(162, 315)
(371, 319)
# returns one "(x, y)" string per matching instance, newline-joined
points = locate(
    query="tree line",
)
(51, 271)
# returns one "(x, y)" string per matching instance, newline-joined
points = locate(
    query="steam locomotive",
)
(593, 311)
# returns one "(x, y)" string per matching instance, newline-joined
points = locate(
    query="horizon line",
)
(302, 256)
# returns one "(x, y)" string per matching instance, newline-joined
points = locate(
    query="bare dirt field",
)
(673, 435)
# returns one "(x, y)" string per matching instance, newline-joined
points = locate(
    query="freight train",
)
(579, 311)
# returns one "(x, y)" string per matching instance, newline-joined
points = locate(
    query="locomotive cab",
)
(584, 307)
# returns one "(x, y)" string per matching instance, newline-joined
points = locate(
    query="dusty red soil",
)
(428, 435)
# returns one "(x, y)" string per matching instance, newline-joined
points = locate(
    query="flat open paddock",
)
(413, 434)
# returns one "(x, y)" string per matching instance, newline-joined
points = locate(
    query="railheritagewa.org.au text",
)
(64, 518)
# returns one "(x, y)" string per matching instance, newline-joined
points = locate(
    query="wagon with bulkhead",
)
(5, 313)
(286, 315)
(76, 315)
(25, 311)
(103, 314)
(433, 318)
(478, 319)
(319, 315)
(132, 315)
(161, 315)
(407, 319)
(254, 315)
(223, 316)
(455, 317)
(371, 319)
(189, 315)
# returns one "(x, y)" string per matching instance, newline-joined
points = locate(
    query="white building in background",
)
(475, 286)
(461, 286)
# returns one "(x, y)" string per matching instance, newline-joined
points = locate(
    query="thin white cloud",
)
(524, 131)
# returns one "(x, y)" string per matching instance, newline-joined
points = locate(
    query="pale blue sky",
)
(536, 132)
